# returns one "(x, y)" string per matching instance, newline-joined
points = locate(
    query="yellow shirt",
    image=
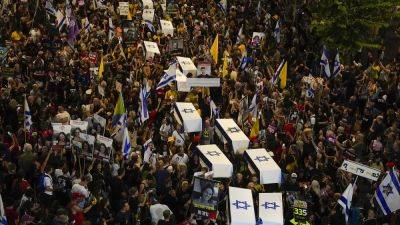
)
(16, 36)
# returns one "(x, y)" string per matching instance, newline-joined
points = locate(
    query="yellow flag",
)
(225, 67)
(101, 68)
(255, 130)
(283, 75)
(129, 16)
(214, 50)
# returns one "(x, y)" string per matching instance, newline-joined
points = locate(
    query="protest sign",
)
(167, 28)
(87, 143)
(203, 69)
(123, 8)
(360, 170)
(257, 38)
(61, 134)
(103, 148)
(151, 49)
(98, 124)
(130, 32)
(205, 197)
(300, 213)
(175, 46)
(148, 15)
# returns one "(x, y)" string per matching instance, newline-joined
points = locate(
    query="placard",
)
(300, 213)
(123, 8)
(175, 47)
(61, 134)
(87, 146)
(257, 38)
(360, 170)
(167, 28)
(205, 197)
(148, 14)
(103, 148)
(130, 32)
(98, 124)
(203, 69)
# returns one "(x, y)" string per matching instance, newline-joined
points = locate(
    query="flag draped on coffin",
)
(388, 193)
(214, 50)
(346, 199)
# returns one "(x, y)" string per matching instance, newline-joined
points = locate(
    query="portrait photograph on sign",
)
(175, 46)
(130, 32)
(61, 134)
(257, 38)
(87, 146)
(203, 69)
(102, 148)
(205, 196)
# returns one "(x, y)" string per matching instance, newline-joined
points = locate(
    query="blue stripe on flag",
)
(382, 200)
(344, 200)
(395, 181)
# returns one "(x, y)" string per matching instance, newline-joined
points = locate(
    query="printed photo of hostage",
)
(61, 134)
(103, 148)
(205, 197)
(87, 146)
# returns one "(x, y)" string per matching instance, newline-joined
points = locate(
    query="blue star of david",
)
(262, 158)
(188, 110)
(241, 205)
(387, 189)
(233, 129)
(270, 205)
(213, 153)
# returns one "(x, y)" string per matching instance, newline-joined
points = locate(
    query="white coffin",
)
(229, 132)
(241, 207)
(261, 163)
(186, 114)
(215, 160)
(187, 65)
(270, 208)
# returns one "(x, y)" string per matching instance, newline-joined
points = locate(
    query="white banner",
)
(82, 125)
(123, 8)
(360, 170)
(148, 14)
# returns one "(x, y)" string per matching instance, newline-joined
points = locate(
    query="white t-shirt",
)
(177, 159)
(179, 138)
(156, 212)
(48, 183)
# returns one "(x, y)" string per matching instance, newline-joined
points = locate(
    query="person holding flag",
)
(120, 116)
(325, 63)
(27, 116)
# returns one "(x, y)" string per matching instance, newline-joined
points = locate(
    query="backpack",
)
(41, 184)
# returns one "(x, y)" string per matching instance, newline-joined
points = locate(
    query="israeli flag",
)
(336, 65)
(325, 63)
(168, 77)
(150, 26)
(345, 200)
(214, 110)
(253, 106)
(86, 24)
(49, 8)
(241, 207)
(277, 32)
(388, 193)
(239, 36)
(60, 20)
(222, 6)
(310, 93)
(111, 31)
(27, 116)
(270, 208)
(144, 111)
(126, 143)
(3, 218)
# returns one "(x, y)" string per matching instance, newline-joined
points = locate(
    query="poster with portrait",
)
(103, 148)
(77, 127)
(175, 46)
(203, 69)
(87, 146)
(61, 134)
(98, 124)
(205, 197)
(257, 38)
(130, 32)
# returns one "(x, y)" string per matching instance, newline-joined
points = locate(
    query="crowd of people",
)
(310, 126)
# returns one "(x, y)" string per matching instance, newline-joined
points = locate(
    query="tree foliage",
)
(351, 24)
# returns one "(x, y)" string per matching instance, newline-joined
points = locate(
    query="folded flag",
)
(388, 193)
